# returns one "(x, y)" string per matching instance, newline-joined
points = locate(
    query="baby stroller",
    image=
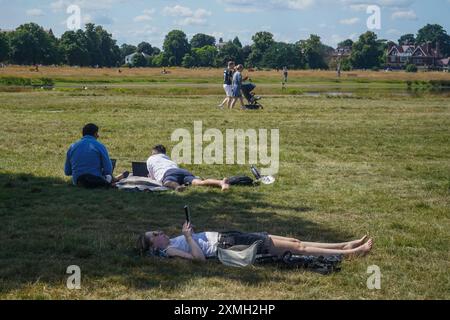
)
(253, 101)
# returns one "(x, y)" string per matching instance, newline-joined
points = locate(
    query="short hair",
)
(231, 63)
(240, 66)
(90, 130)
(160, 149)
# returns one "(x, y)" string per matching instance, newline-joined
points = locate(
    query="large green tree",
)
(93, 45)
(145, 47)
(4, 46)
(345, 43)
(237, 42)
(73, 45)
(314, 52)
(262, 41)
(229, 52)
(205, 56)
(436, 35)
(109, 51)
(201, 40)
(367, 52)
(139, 60)
(407, 39)
(31, 44)
(176, 46)
(282, 54)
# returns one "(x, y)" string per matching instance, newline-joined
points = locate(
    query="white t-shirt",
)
(158, 165)
(207, 241)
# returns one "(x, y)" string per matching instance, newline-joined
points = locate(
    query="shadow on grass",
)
(46, 225)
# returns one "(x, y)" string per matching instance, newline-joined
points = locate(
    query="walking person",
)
(228, 84)
(237, 85)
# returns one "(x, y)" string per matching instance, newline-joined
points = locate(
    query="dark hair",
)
(160, 149)
(90, 130)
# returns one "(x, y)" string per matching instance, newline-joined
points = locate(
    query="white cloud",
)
(407, 15)
(146, 16)
(35, 13)
(189, 16)
(142, 18)
(61, 5)
(350, 21)
(256, 5)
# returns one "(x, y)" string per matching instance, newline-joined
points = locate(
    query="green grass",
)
(377, 165)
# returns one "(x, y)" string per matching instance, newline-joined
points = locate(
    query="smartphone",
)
(188, 214)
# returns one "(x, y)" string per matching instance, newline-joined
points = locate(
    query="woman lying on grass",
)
(199, 246)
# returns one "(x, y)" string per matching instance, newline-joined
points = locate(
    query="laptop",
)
(140, 169)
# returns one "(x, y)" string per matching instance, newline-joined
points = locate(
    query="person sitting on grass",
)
(88, 161)
(200, 246)
(162, 169)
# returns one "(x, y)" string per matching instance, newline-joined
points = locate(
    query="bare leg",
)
(343, 245)
(230, 99)
(280, 246)
(233, 102)
(242, 102)
(227, 101)
(223, 184)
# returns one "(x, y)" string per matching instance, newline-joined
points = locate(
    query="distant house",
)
(420, 55)
(129, 58)
(342, 52)
(220, 44)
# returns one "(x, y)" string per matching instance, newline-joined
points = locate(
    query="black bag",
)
(241, 181)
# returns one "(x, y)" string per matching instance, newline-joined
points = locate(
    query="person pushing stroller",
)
(237, 87)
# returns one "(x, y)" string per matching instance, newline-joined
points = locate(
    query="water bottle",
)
(256, 172)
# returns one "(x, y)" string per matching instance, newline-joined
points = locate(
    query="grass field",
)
(349, 166)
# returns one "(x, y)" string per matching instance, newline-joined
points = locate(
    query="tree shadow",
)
(46, 225)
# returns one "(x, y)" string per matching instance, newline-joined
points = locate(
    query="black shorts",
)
(90, 181)
(235, 238)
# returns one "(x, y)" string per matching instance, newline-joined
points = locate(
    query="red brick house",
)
(421, 56)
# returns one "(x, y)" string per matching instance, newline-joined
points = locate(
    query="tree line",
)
(94, 46)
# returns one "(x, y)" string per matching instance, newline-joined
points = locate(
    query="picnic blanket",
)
(140, 184)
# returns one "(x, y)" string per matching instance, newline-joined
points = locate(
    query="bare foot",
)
(364, 249)
(355, 244)
(225, 185)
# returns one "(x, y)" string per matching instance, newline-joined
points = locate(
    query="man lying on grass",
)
(161, 168)
(88, 161)
(199, 246)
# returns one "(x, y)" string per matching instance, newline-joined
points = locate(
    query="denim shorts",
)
(235, 238)
(236, 91)
(180, 176)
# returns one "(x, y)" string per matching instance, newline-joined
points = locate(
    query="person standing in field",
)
(237, 85)
(228, 84)
(285, 74)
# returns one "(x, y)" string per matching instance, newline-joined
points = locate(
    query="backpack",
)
(241, 181)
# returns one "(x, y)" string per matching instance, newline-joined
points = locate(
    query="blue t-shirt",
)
(237, 79)
(87, 156)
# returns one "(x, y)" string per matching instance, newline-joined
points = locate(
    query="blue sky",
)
(134, 21)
